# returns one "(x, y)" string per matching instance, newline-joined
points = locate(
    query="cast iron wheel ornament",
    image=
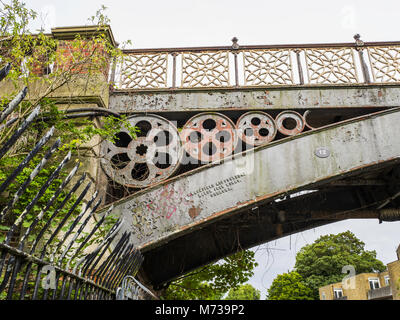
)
(290, 123)
(209, 137)
(256, 128)
(151, 158)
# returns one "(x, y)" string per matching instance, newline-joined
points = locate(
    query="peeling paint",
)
(194, 212)
(294, 98)
(191, 200)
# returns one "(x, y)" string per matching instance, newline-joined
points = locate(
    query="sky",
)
(184, 23)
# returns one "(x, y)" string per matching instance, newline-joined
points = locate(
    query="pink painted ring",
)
(296, 125)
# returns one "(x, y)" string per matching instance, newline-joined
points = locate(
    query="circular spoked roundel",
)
(209, 137)
(256, 128)
(153, 157)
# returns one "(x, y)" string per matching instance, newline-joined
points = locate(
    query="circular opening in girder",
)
(144, 128)
(141, 150)
(162, 160)
(140, 172)
(255, 121)
(163, 138)
(122, 139)
(195, 137)
(209, 149)
(289, 123)
(209, 124)
(248, 132)
(263, 132)
(120, 161)
(223, 136)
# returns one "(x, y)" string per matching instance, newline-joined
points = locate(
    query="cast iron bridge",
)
(238, 146)
(241, 145)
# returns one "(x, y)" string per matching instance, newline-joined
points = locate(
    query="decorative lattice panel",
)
(144, 71)
(385, 63)
(330, 66)
(267, 67)
(205, 69)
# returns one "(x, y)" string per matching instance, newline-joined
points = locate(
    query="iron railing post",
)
(235, 48)
(359, 48)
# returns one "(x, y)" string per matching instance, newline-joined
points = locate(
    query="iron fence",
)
(54, 264)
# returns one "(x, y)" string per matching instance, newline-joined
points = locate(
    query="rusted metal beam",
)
(356, 214)
(257, 99)
(358, 182)
(257, 225)
(188, 202)
(255, 47)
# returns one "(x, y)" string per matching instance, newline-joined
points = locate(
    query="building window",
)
(387, 280)
(374, 283)
(338, 293)
(323, 296)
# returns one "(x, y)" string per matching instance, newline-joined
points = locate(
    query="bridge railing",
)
(259, 66)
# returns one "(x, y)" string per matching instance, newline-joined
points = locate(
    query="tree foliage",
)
(244, 292)
(322, 262)
(44, 65)
(289, 286)
(213, 281)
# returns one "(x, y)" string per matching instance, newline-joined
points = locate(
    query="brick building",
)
(367, 286)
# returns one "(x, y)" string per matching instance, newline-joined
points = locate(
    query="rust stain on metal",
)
(297, 125)
(279, 230)
(209, 136)
(256, 128)
(194, 212)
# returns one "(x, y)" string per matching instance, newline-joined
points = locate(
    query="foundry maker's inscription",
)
(219, 187)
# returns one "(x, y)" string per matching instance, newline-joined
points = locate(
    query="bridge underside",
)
(358, 197)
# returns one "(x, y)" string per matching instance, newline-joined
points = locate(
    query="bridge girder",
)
(169, 218)
(268, 98)
(264, 223)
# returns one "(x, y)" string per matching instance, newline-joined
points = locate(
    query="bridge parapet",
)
(250, 66)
